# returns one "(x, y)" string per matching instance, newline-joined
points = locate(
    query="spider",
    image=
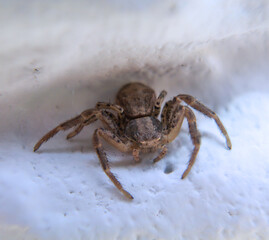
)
(132, 125)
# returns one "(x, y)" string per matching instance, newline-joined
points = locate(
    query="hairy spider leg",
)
(62, 127)
(85, 118)
(136, 155)
(161, 154)
(172, 118)
(80, 127)
(195, 137)
(158, 103)
(114, 107)
(173, 115)
(111, 135)
(100, 106)
(119, 143)
(206, 111)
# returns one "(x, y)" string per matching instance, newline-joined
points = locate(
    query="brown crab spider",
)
(132, 125)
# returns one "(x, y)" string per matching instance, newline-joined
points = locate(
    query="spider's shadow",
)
(65, 150)
(64, 98)
(214, 138)
(74, 145)
(85, 146)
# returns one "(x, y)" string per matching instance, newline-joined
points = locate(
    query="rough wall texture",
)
(59, 58)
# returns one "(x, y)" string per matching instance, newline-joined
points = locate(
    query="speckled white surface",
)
(58, 59)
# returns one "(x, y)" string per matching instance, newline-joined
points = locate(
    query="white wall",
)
(58, 58)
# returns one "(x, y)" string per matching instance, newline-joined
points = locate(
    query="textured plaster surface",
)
(58, 59)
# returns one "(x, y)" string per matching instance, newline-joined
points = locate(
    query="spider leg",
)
(116, 141)
(76, 131)
(161, 155)
(208, 112)
(172, 118)
(106, 117)
(195, 137)
(158, 103)
(173, 115)
(80, 127)
(114, 107)
(85, 118)
(62, 127)
(136, 156)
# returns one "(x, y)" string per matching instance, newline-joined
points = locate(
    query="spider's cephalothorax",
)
(132, 125)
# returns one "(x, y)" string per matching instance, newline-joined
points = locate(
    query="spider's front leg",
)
(101, 106)
(136, 155)
(158, 103)
(115, 140)
(88, 115)
(85, 118)
(195, 137)
(161, 154)
(173, 115)
(116, 108)
(190, 100)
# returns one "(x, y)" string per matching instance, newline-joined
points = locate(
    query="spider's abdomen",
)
(143, 130)
(137, 100)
